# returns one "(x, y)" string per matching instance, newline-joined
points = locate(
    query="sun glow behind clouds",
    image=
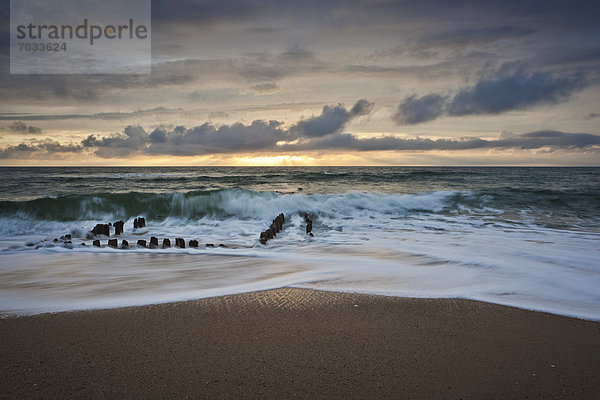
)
(283, 160)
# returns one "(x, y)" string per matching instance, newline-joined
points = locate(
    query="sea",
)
(522, 237)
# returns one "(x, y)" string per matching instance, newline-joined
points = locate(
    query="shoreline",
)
(301, 343)
(10, 315)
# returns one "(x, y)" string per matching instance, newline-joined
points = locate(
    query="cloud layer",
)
(263, 137)
(553, 140)
(42, 149)
(323, 132)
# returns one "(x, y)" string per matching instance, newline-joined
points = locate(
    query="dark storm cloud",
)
(21, 127)
(514, 91)
(133, 139)
(505, 92)
(158, 135)
(332, 120)
(414, 110)
(209, 139)
(539, 139)
(362, 107)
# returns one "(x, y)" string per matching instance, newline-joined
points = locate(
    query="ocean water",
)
(524, 237)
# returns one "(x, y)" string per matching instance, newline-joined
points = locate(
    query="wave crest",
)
(225, 203)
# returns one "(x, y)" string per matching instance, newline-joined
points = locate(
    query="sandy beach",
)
(297, 343)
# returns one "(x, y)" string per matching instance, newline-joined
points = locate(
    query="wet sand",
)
(296, 343)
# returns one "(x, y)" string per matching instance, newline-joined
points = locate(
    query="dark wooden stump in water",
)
(101, 229)
(139, 222)
(118, 227)
(308, 225)
(275, 227)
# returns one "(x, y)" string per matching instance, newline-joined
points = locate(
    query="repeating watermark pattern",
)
(80, 37)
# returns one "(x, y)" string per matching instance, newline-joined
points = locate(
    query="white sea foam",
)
(402, 245)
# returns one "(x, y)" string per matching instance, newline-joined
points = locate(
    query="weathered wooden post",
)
(139, 222)
(118, 227)
(101, 229)
(309, 227)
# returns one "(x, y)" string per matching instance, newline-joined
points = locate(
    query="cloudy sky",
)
(342, 82)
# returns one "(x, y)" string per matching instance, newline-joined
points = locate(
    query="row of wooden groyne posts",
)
(153, 244)
(140, 222)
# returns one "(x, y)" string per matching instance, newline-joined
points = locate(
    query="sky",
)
(342, 82)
